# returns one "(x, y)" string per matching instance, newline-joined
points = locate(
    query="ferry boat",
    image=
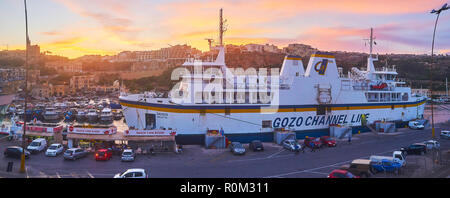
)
(309, 101)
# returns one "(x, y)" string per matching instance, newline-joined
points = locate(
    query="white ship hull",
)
(244, 127)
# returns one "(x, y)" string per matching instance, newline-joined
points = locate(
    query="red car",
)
(328, 141)
(103, 154)
(314, 140)
(338, 173)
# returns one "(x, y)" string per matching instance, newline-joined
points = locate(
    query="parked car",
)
(397, 156)
(338, 173)
(415, 125)
(237, 148)
(16, 152)
(328, 141)
(386, 166)
(74, 153)
(54, 150)
(445, 134)
(315, 141)
(103, 154)
(416, 148)
(256, 145)
(133, 173)
(128, 155)
(292, 145)
(37, 145)
(432, 144)
(359, 167)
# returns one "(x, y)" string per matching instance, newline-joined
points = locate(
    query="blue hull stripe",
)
(268, 136)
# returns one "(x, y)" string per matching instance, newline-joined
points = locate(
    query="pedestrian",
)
(311, 144)
(297, 149)
(349, 138)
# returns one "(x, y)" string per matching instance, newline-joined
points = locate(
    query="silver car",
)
(292, 145)
(445, 134)
(237, 148)
(128, 155)
(74, 153)
(432, 144)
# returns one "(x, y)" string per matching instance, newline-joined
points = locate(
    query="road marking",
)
(316, 172)
(57, 175)
(317, 168)
(276, 153)
(26, 171)
(74, 175)
(90, 175)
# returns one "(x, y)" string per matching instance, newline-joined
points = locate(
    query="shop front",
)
(51, 132)
(92, 138)
(151, 141)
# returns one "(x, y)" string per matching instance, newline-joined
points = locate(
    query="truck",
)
(386, 166)
(415, 125)
(359, 167)
(397, 156)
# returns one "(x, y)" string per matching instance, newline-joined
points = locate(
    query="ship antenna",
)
(370, 66)
(371, 41)
(222, 27)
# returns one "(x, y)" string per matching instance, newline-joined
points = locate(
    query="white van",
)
(37, 145)
(415, 125)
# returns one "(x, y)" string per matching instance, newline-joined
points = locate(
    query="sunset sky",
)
(74, 28)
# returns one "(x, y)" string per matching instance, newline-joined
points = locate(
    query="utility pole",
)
(438, 12)
(446, 87)
(22, 162)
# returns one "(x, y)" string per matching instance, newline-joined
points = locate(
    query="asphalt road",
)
(196, 161)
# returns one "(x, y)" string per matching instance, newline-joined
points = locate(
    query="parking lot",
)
(274, 161)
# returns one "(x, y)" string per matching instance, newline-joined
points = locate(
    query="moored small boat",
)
(92, 115)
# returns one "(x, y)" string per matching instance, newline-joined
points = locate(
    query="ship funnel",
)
(292, 66)
(322, 65)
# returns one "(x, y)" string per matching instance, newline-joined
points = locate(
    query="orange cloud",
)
(190, 22)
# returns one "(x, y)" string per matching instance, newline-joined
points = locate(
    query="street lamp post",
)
(438, 12)
(22, 162)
